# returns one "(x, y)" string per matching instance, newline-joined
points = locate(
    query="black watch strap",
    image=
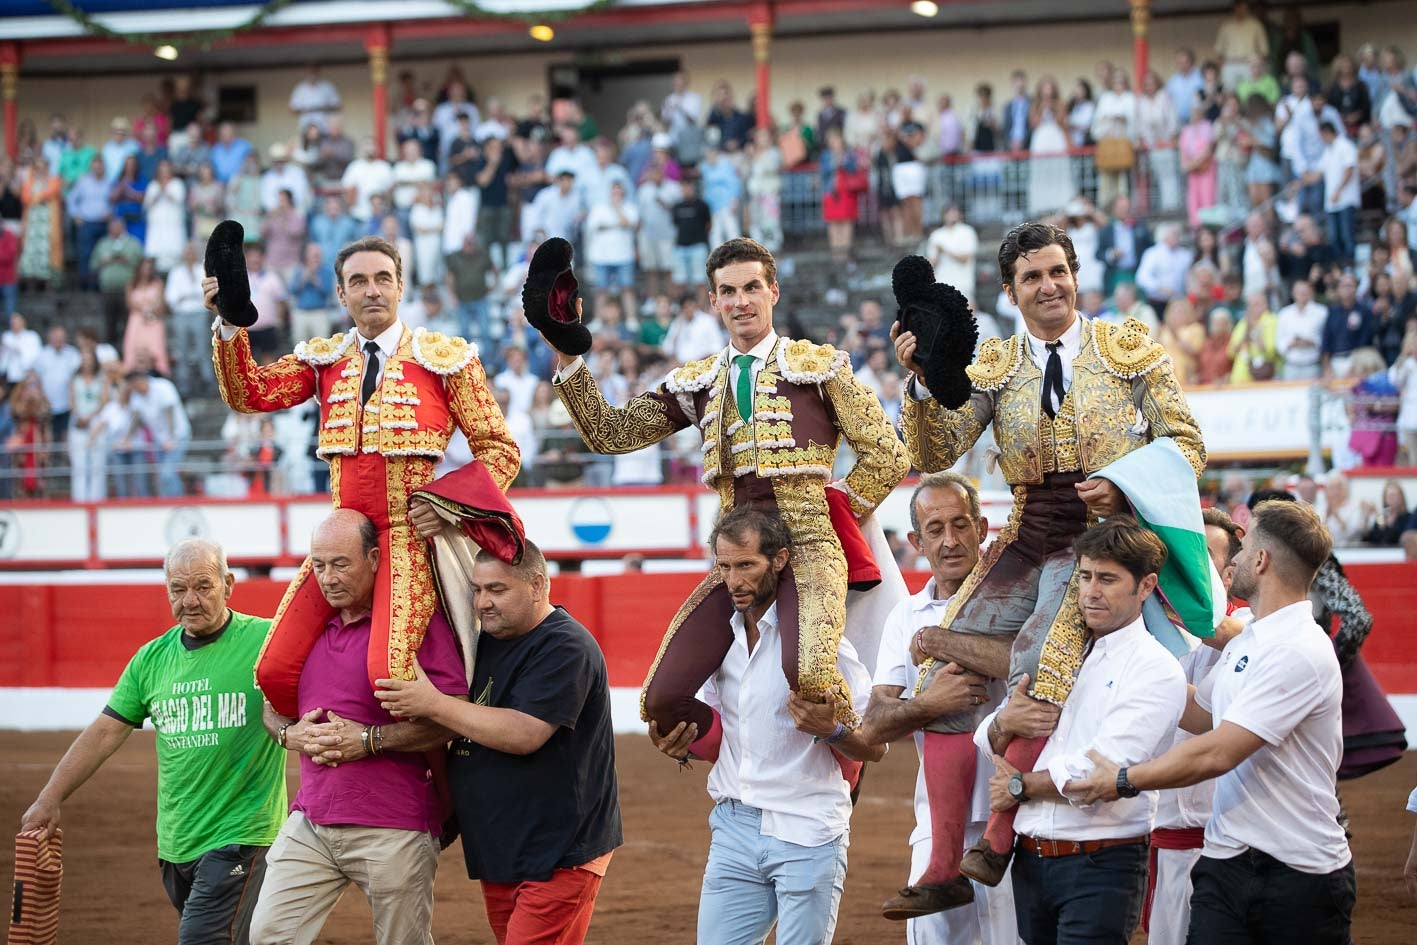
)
(1125, 788)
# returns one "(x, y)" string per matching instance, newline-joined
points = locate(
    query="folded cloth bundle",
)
(39, 869)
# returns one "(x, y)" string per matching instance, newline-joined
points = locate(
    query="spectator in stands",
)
(723, 192)
(165, 218)
(463, 152)
(844, 178)
(1197, 145)
(145, 336)
(949, 130)
(1183, 336)
(1262, 172)
(336, 152)
(1121, 243)
(764, 187)
(314, 99)
(829, 113)
(692, 223)
(158, 407)
(1185, 85)
(559, 210)
(243, 197)
(9, 271)
(363, 178)
(42, 230)
(1115, 120)
(189, 322)
(1293, 38)
(117, 149)
(951, 249)
(126, 198)
(1306, 254)
(150, 154)
(1299, 334)
(494, 219)
(610, 247)
(88, 396)
(468, 271)
(28, 442)
(445, 118)
(1215, 364)
(188, 151)
(1161, 272)
(694, 334)
(1342, 191)
(57, 143)
(682, 106)
(122, 437)
(1016, 112)
(88, 206)
(572, 155)
(271, 299)
(55, 366)
(411, 171)
(228, 154)
(283, 175)
(654, 202)
(1386, 525)
(114, 261)
(1404, 378)
(332, 228)
(1239, 39)
(1253, 342)
(519, 383)
(1125, 305)
(1349, 325)
(206, 202)
(1343, 517)
(312, 295)
(1157, 128)
(733, 125)
(1350, 95)
(1081, 109)
(77, 157)
(425, 224)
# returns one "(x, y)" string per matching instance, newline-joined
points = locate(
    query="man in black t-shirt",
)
(692, 222)
(533, 769)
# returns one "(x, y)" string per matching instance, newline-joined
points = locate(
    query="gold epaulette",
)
(1126, 350)
(696, 375)
(805, 362)
(321, 351)
(998, 361)
(440, 353)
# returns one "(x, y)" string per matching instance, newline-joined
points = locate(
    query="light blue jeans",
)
(752, 881)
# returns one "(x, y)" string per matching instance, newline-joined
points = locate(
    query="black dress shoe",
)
(226, 259)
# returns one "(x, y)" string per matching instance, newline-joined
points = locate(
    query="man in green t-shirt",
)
(221, 780)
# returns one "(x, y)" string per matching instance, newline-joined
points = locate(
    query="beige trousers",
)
(310, 865)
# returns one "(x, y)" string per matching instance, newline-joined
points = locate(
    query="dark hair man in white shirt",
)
(1276, 866)
(1079, 873)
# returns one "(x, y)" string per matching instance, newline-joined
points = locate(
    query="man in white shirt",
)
(19, 346)
(364, 177)
(1161, 273)
(1179, 832)
(780, 826)
(1239, 38)
(683, 106)
(519, 383)
(1342, 192)
(55, 365)
(1276, 866)
(314, 99)
(951, 250)
(610, 247)
(1079, 873)
(158, 407)
(694, 334)
(947, 527)
(284, 175)
(1299, 334)
(190, 325)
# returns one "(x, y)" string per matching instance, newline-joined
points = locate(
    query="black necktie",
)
(1053, 380)
(371, 372)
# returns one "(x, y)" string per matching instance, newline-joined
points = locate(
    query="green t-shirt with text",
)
(220, 776)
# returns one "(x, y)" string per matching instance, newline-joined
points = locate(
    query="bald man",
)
(367, 812)
(220, 780)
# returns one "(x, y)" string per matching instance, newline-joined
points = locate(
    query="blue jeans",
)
(169, 480)
(474, 324)
(90, 232)
(1087, 899)
(1340, 231)
(752, 881)
(9, 298)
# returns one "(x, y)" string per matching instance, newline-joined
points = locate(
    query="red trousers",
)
(554, 912)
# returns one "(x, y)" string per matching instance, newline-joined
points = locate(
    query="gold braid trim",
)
(607, 429)
(711, 580)
(411, 594)
(440, 353)
(322, 351)
(881, 461)
(998, 361)
(803, 362)
(1063, 649)
(1126, 350)
(694, 376)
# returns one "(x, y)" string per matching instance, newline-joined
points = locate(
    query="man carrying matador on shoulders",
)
(1090, 422)
(772, 411)
(389, 400)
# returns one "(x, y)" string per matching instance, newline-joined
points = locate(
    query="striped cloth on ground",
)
(39, 870)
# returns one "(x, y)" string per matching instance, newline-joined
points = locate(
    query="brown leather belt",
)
(1051, 848)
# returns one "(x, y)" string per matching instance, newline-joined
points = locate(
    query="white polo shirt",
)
(1190, 806)
(1125, 705)
(894, 667)
(1279, 679)
(763, 760)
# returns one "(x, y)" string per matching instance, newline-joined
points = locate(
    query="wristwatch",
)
(1125, 788)
(1016, 790)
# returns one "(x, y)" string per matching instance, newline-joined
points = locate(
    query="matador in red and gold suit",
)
(381, 450)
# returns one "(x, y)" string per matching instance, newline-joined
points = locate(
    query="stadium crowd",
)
(1254, 207)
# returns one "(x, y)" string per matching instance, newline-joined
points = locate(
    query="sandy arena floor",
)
(112, 892)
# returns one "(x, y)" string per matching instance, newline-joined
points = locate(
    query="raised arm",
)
(644, 421)
(936, 437)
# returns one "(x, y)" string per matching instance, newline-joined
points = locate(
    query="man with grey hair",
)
(948, 527)
(221, 781)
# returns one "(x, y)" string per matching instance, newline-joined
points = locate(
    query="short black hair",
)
(1124, 541)
(368, 535)
(1029, 238)
(1218, 518)
(738, 523)
(1267, 495)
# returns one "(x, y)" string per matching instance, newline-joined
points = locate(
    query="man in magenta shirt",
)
(367, 812)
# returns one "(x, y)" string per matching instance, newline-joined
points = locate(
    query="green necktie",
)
(744, 392)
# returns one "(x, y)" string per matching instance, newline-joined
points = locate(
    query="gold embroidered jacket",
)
(1124, 394)
(805, 400)
(431, 382)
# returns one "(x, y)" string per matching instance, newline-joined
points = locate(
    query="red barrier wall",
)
(81, 636)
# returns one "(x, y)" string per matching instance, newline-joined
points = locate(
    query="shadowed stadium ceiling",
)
(330, 30)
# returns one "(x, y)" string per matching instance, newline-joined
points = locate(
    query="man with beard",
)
(1276, 865)
(780, 827)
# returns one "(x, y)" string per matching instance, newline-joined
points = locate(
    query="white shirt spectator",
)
(695, 338)
(445, 119)
(1125, 705)
(460, 217)
(183, 292)
(1294, 323)
(315, 98)
(952, 250)
(18, 349)
(653, 202)
(520, 387)
(1115, 116)
(610, 234)
(1161, 273)
(596, 181)
(579, 160)
(556, 214)
(366, 177)
(55, 368)
(407, 176)
(285, 176)
(763, 760)
(1279, 679)
(1339, 159)
(161, 411)
(682, 108)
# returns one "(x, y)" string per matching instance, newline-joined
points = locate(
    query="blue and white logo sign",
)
(1241, 664)
(591, 520)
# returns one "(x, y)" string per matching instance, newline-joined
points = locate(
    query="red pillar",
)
(1141, 20)
(760, 26)
(9, 92)
(376, 44)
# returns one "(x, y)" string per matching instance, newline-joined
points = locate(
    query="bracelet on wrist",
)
(280, 734)
(364, 739)
(377, 739)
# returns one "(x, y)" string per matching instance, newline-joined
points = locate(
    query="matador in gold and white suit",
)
(776, 452)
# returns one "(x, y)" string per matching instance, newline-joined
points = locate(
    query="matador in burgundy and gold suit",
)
(381, 450)
(775, 451)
